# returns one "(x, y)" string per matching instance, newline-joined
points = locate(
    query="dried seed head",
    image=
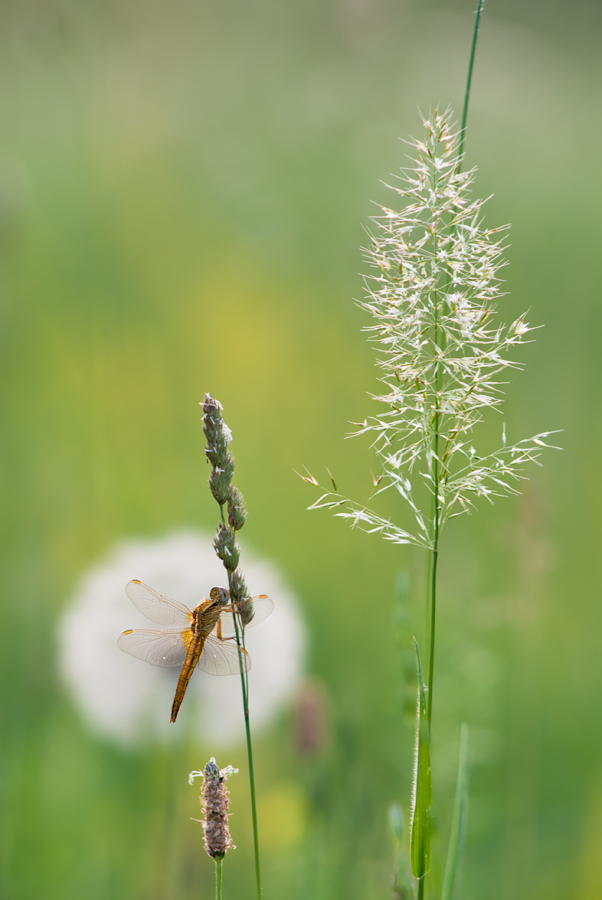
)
(214, 803)
(237, 514)
(226, 547)
(310, 720)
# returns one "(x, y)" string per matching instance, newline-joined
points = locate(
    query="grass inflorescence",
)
(443, 357)
(226, 494)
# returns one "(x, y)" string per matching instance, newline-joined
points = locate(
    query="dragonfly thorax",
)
(206, 616)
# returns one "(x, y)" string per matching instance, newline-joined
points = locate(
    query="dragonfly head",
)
(220, 595)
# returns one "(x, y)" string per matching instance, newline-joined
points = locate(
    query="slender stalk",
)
(245, 702)
(469, 82)
(434, 551)
(427, 604)
(218, 879)
(433, 557)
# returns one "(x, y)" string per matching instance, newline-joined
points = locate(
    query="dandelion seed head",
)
(126, 700)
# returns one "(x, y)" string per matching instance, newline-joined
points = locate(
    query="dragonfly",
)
(205, 636)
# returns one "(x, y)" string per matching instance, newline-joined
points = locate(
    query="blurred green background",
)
(182, 192)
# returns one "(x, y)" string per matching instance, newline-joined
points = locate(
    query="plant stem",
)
(245, 702)
(218, 879)
(427, 604)
(469, 82)
(435, 475)
(433, 558)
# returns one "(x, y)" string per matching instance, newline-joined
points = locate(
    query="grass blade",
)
(420, 827)
(402, 880)
(456, 838)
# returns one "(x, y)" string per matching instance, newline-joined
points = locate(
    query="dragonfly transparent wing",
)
(156, 607)
(262, 606)
(221, 657)
(159, 648)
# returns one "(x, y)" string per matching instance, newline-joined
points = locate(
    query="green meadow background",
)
(183, 190)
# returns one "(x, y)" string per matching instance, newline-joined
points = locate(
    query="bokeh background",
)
(183, 187)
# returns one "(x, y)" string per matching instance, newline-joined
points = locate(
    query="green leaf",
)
(402, 880)
(420, 822)
(456, 838)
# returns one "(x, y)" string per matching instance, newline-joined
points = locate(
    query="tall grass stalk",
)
(442, 357)
(473, 48)
(229, 498)
(433, 553)
(244, 681)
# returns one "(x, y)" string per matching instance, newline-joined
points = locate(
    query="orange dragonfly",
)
(204, 636)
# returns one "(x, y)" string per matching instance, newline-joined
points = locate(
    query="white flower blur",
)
(127, 700)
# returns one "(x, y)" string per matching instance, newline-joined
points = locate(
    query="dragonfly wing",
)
(260, 606)
(221, 657)
(156, 607)
(159, 648)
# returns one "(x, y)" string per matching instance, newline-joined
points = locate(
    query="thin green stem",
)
(427, 603)
(433, 555)
(434, 559)
(475, 34)
(239, 629)
(218, 879)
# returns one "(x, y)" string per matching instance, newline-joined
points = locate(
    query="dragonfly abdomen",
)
(192, 657)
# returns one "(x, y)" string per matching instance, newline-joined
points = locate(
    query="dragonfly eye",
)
(220, 595)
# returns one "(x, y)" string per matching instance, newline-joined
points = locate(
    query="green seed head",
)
(226, 547)
(217, 433)
(240, 591)
(237, 514)
(219, 480)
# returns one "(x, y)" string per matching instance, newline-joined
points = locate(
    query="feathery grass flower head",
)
(441, 351)
(214, 803)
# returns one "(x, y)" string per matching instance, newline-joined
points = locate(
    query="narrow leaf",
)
(420, 837)
(402, 880)
(456, 838)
